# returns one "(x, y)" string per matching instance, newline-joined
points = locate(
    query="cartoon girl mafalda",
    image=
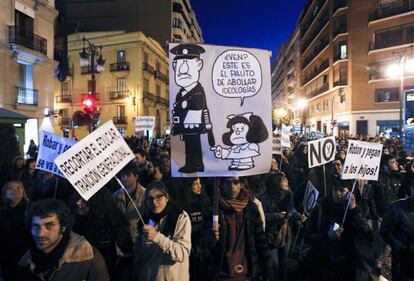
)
(246, 132)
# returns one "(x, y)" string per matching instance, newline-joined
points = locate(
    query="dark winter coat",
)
(341, 253)
(256, 249)
(80, 262)
(397, 230)
(388, 189)
(15, 238)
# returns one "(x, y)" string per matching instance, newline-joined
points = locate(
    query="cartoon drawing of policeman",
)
(246, 132)
(190, 114)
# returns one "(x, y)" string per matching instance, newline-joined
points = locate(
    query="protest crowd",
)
(263, 229)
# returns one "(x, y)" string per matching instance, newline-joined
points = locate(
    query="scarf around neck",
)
(237, 204)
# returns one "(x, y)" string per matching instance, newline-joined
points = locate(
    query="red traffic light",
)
(89, 104)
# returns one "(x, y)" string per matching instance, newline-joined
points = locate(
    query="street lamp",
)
(299, 105)
(92, 57)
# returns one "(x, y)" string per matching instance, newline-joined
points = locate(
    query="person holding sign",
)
(163, 244)
(333, 244)
(238, 242)
(190, 114)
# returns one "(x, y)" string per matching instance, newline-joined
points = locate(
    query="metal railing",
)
(161, 76)
(322, 22)
(119, 66)
(341, 82)
(161, 100)
(324, 65)
(320, 90)
(149, 96)
(87, 69)
(26, 96)
(339, 4)
(64, 98)
(304, 28)
(385, 12)
(120, 120)
(324, 42)
(113, 95)
(28, 39)
(148, 68)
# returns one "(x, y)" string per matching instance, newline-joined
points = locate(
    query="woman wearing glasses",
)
(163, 244)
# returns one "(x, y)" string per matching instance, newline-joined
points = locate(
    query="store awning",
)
(8, 114)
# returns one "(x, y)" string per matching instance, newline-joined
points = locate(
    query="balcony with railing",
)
(320, 90)
(118, 94)
(161, 100)
(64, 121)
(393, 37)
(26, 96)
(120, 120)
(160, 76)
(316, 51)
(316, 71)
(322, 23)
(149, 96)
(119, 66)
(392, 10)
(305, 26)
(19, 36)
(342, 81)
(338, 4)
(88, 69)
(342, 28)
(148, 68)
(64, 99)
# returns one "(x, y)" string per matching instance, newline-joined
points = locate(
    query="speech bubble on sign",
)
(237, 74)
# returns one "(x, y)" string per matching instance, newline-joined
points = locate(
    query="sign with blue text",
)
(221, 110)
(94, 160)
(50, 147)
(310, 198)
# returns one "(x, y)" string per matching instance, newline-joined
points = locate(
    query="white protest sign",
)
(94, 160)
(310, 198)
(143, 123)
(277, 147)
(362, 161)
(50, 147)
(321, 151)
(285, 141)
(221, 123)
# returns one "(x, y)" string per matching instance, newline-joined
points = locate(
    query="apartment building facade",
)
(346, 47)
(163, 20)
(134, 82)
(27, 67)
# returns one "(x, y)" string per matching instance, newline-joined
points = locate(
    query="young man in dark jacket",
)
(59, 253)
(240, 250)
(333, 243)
(397, 230)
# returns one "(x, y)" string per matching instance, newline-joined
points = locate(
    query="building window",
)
(343, 50)
(121, 84)
(158, 66)
(65, 88)
(158, 90)
(387, 95)
(120, 111)
(121, 56)
(145, 57)
(146, 85)
(325, 105)
(177, 23)
(24, 24)
(318, 107)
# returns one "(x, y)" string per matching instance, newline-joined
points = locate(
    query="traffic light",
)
(89, 104)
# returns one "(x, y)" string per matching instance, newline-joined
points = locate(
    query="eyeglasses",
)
(157, 198)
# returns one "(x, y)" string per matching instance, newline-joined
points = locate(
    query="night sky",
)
(263, 24)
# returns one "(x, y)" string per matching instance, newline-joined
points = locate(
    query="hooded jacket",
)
(80, 262)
